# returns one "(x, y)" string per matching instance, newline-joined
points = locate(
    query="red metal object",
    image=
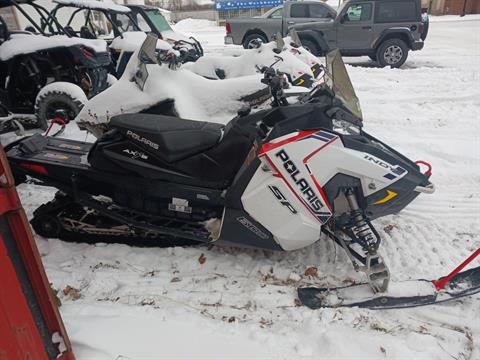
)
(428, 165)
(29, 316)
(34, 167)
(57, 120)
(442, 282)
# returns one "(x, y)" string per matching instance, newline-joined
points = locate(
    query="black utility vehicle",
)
(44, 76)
(123, 27)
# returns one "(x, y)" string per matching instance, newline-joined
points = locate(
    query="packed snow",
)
(129, 303)
(130, 41)
(95, 5)
(28, 43)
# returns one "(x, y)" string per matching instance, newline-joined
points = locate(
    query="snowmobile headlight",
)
(345, 128)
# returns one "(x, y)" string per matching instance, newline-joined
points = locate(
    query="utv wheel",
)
(312, 47)
(392, 53)
(249, 42)
(58, 98)
(47, 226)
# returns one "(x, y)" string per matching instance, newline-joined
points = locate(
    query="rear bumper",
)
(417, 45)
(228, 40)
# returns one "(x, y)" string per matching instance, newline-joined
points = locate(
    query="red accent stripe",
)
(270, 146)
(320, 148)
(319, 188)
(291, 189)
(37, 168)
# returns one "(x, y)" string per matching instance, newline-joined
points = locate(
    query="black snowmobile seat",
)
(170, 138)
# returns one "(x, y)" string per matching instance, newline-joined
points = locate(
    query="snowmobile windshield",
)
(158, 20)
(339, 81)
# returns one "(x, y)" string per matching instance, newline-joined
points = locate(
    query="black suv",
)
(384, 30)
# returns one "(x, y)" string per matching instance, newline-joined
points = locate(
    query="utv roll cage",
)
(109, 13)
(46, 18)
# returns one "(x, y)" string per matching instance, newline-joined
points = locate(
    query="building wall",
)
(453, 7)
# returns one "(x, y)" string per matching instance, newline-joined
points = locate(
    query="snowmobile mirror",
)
(146, 55)
(295, 38)
(279, 41)
(339, 81)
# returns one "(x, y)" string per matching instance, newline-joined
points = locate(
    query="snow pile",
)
(194, 25)
(445, 18)
(132, 40)
(95, 5)
(26, 44)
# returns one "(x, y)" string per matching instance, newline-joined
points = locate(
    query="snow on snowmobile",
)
(292, 44)
(154, 82)
(275, 179)
(295, 63)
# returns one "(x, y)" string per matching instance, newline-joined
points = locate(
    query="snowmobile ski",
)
(405, 294)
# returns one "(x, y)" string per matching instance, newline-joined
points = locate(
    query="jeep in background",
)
(384, 30)
(246, 31)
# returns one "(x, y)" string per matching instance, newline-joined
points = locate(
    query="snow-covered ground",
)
(150, 303)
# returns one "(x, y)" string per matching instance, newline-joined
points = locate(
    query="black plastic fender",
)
(399, 32)
(314, 35)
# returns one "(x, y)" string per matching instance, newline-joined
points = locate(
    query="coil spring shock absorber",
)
(363, 231)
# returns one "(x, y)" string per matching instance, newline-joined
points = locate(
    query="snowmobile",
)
(154, 82)
(299, 67)
(42, 76)
(275, 179)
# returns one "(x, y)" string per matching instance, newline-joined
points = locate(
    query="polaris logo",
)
(141, 139)
(308, 194)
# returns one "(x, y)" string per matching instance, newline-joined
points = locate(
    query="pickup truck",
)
(247, 31)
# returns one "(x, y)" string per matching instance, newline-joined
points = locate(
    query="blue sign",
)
(222, 5)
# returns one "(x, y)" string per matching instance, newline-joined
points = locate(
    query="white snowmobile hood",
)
(30, 43)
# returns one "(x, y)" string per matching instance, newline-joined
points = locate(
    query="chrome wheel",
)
(254, 43)
(393, 54)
